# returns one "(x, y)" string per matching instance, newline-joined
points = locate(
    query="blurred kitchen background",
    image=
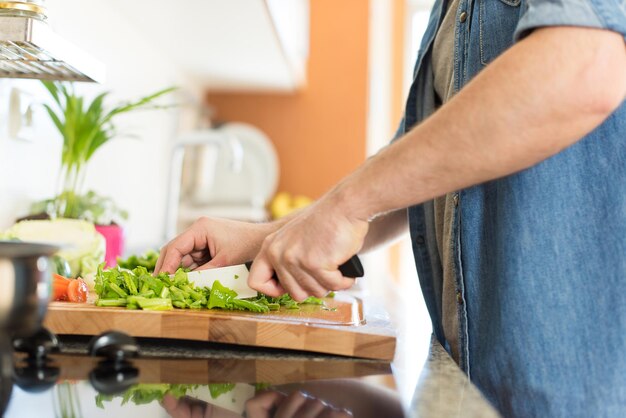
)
(277, 101)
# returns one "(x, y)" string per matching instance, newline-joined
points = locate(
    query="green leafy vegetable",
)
(145, 393)
(218, 389)
(138, 289)
(147, 260)
(82, 246)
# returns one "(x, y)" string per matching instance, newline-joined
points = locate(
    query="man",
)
(511, 160)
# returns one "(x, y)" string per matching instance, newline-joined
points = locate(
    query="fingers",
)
(295, 278)
(292, 285)
(263, 404)
(219, 260)
(260, 278)
(172, 253)
(190, 249)
(291, 405)
(312, 408)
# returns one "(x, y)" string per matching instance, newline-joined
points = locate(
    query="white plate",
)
(251, 180)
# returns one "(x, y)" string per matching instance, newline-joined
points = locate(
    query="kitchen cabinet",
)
(228, 45)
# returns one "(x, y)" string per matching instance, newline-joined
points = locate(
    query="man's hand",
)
(187, 407)
(213, 243)
(270, 404)
(306, 252)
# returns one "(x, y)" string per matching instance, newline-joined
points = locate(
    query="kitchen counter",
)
(443, 390)
(251, 377)
(366, 387)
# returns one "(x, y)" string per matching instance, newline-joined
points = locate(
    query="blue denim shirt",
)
(540, 255)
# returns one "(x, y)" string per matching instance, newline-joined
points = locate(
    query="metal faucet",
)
(200, 137)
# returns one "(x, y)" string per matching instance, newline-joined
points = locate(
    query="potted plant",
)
(85, 127)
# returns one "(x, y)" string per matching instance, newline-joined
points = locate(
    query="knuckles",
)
(203, 222)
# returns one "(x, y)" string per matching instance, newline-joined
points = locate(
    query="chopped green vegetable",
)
(147, 260)
(146, 393)
(111, 302)
(261, 386)
(217, 389)
(312, 300)
(138, 289)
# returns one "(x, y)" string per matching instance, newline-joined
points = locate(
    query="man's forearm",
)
(541, 96)
(385, 229)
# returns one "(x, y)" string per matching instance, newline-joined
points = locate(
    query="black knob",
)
(36, 378)
(113, 345)
(6, 373)
(111, 378)
(38, 345)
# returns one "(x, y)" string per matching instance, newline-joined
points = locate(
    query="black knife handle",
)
(350, 269)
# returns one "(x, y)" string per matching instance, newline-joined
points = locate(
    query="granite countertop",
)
(443, 390)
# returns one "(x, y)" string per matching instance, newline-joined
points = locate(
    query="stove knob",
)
(113, 345)
(111, 378)
(38, 345)
(36, 378)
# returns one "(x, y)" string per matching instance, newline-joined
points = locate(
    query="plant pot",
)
(114, 236)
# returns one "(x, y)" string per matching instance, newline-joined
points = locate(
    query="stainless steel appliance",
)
(30, 49)
(25, 283)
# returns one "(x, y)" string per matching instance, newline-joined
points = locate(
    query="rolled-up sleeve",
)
(601, 14)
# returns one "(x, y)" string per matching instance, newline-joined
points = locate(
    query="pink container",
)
(114, 237)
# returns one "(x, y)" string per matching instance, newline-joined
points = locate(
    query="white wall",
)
(132, 171)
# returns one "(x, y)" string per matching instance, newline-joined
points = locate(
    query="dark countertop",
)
(368, 388)
(442, 389)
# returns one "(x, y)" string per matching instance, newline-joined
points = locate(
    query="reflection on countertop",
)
(187, 379)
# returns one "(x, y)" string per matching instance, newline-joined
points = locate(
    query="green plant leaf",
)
(85, 125)
(53, 88)
(55, 118)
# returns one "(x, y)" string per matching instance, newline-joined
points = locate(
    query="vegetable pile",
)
(146, 393)
(138, 289)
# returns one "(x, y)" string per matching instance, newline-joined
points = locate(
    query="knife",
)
(236, 277)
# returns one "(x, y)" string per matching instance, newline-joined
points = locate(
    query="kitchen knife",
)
(236, 277)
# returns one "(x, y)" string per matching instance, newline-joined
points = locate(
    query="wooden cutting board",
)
(339, 329)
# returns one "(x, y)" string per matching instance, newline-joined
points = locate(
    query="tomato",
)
(77, 291)
(59, 287)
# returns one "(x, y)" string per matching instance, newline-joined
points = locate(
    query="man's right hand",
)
(213, 242)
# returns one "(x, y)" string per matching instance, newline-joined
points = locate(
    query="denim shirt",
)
(540, 256)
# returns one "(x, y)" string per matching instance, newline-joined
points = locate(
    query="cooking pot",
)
(25, 286)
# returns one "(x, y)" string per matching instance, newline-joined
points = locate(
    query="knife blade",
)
(236, 277)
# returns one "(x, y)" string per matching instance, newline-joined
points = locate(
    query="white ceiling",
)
(223, 44)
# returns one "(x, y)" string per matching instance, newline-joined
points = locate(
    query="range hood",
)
(30, 49)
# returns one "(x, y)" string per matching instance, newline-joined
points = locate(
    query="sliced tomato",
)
(77, 291)
(59, 287)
